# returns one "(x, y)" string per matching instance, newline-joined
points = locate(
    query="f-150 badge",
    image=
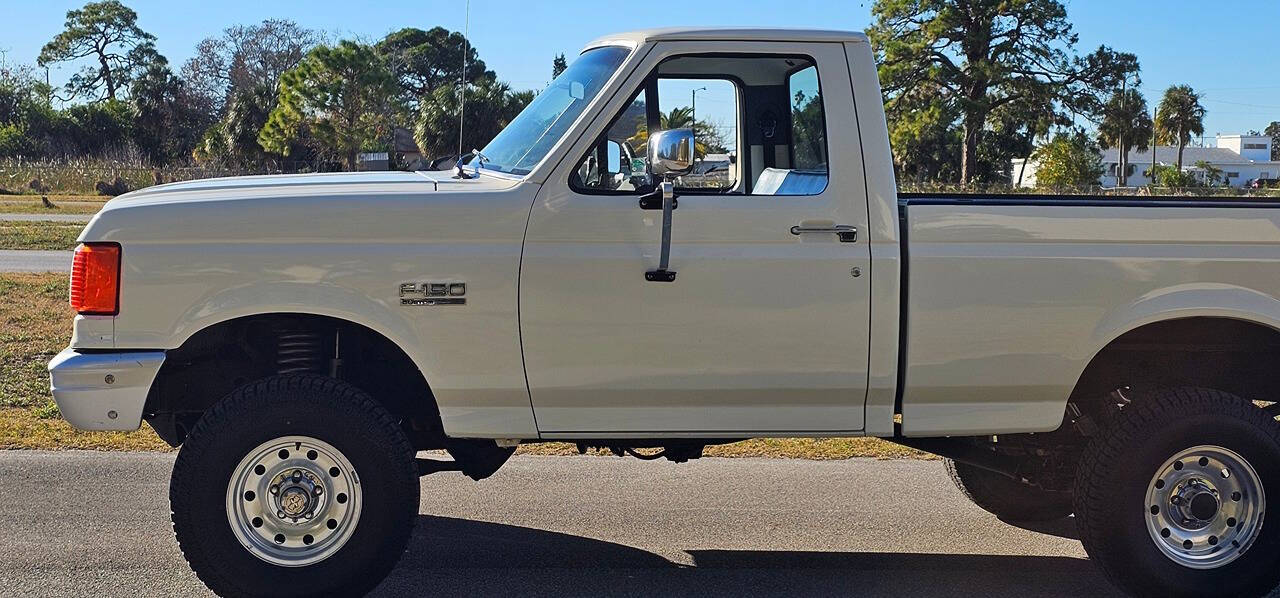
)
(433, 293)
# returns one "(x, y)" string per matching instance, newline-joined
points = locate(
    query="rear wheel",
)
(1007, 498)
(294, 486)
(1171, 499)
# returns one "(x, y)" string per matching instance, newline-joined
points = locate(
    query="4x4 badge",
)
(433, 293)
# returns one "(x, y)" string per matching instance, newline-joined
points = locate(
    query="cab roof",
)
(640, 36)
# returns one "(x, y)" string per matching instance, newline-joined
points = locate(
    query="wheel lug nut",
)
(280, 514)
(319, 490)
(275, 490)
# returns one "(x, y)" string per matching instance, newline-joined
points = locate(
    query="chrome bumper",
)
(103, 391)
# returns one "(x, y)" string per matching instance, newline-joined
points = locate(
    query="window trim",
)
(651, 78)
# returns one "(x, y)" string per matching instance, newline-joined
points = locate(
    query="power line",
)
(1241, 104)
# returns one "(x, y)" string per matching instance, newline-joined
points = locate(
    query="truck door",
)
(765, 327)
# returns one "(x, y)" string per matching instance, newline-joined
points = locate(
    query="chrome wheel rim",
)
(293, 501)
(1204, 507)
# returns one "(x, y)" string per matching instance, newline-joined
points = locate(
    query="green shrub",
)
(1170, 176)
(1068, 161)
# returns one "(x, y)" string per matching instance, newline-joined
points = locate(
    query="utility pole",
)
(694, 102)
(1153, 147)
(1121, 177)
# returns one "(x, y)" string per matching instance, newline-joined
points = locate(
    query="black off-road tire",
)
(1121, 462)
(294, 405)
(1007, 498)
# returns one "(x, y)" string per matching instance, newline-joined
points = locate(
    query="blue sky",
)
(1227, 49)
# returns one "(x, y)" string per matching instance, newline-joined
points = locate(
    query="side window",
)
(709, 106)
(758, 123)
(616, 161)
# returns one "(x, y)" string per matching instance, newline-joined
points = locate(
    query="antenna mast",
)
(466, 49)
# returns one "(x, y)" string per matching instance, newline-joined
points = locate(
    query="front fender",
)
(469, 354)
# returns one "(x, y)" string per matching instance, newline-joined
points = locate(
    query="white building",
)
(1241, 158)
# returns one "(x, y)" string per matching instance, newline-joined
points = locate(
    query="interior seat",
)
(785, 181)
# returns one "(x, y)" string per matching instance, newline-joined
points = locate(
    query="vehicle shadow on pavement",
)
(449, 556)
(1062, 528)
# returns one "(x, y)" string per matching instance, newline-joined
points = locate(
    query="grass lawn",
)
(39, 235)
(66, 204)
(35, 323)
(822, 449)
(31, 429)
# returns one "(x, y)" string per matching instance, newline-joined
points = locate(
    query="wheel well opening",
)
(1226, 354)
(230, 354)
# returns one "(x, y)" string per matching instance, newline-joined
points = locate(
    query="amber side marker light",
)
(95, 279)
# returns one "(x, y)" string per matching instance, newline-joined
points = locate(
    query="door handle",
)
(846, 232)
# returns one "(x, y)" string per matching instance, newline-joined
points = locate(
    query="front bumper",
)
(103, 391)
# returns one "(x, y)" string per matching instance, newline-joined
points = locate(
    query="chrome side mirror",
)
(671, 153)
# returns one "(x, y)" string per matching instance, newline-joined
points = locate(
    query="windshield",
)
(545, 120)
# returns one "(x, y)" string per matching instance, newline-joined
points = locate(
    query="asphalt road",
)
(85, 523)
(29, 260)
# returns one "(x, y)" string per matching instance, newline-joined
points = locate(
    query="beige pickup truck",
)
(593, 276)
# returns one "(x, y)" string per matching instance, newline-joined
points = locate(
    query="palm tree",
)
(677, 118)
(1125, 125)
(1179, 116)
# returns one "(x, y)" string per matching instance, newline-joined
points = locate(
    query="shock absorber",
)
(299, 351)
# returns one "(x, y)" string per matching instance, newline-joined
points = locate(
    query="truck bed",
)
(1022, 291)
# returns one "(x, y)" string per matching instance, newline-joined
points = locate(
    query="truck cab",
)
(757, 244)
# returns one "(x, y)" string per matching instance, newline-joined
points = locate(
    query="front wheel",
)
(1171, 499)
(294, 486)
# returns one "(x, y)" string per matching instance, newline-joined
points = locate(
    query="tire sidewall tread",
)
(307, 405)
(1118, 464)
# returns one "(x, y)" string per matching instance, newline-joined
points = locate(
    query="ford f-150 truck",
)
(591, 276)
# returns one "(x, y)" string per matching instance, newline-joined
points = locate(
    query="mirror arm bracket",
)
(653, 200)
(663, 274)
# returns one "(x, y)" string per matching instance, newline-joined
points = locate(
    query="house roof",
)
(1167, 154)
(640, 36)
(404, 142)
